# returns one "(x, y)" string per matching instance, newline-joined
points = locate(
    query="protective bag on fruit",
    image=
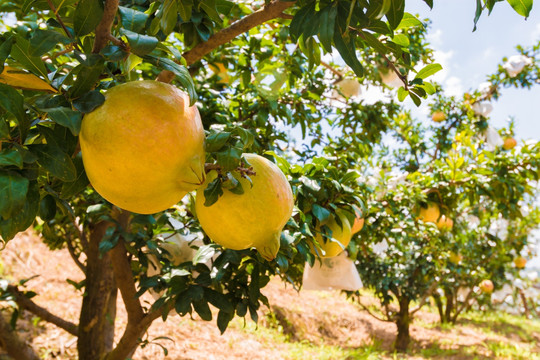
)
(335, 273)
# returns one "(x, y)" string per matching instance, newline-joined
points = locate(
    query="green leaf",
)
(140, 44)
(347, 51)
(301, 18)
(47, 208)
(21, 53)
(13, 189)
(57, 162)
(219, 300)
(223, 320)
(43, 41)
(12, 102)
(89, 101)
(87, 16)
(320, 213)
(66, 117)
(185, 8)
(202, 308)
(402, 94)
(428, 70)
(87, 75)
(327, 26)
(169, 16)
(212, 192)
(429, 3)
(396, 12)
(23, 218)
(477, 13)
(409, 21)
(183, 303)
(402, 40)
(5, 49)
(522, 7)
(203, 254)
(374, 42)
(215, 141)
(132, 19)
(229, 159)
(11, 157)
(70, 189)
(180, 71)
(209, 7)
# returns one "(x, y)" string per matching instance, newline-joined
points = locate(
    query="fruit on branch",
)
(254, 218)
(520, 262)
(486, 286)
(349, 88)
(358, 223)
(509, 143)
(341, 236)
(221, 72)
(143, 149)
(430, 213)
(445, 223)
(455, 258)
(438, 116)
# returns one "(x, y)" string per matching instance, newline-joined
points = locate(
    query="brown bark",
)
(103, 30)
(402, 322)
(268, 12)
(44, 314)
(13, 344)
(449, 305)
(96, 325)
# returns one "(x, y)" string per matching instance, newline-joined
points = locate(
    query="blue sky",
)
(467, 57)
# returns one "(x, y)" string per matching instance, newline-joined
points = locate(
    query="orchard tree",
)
(251, 70)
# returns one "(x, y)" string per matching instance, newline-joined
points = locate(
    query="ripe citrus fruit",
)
(438, 116)
(486, 286)
(509, 143)
(455, 258)
(342, 234)
(254, 218)
(520, 262)
(358, 224)
(143, 149)
(221, 72)
(445, 223)
(429, 214)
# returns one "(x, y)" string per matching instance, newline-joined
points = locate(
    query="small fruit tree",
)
(104, 161)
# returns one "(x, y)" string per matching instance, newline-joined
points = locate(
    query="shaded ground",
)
(305, 325)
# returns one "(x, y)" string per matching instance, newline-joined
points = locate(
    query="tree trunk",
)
(17, 348)
(403, 337)
(98, 312)
(440, 307)
(449, 305)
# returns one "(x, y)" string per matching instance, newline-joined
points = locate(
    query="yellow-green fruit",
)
(143, 149)
(221, 72)
(509, 143)
(429, 214)
(358, 224)
(330, 248)
(486, 286)
(254, 218)
(438, 116)
(445, 223)
(455, 258)
(520, 262)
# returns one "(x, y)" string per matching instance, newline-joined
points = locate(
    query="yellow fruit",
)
(330, 248)
(253, 219)
(509, 143)
(486, 286)
(429, 214)
(358, 224)
(143, 149)
(455, 258)
(438, 116)
(445, 223)
(520, 262)
(221, 71)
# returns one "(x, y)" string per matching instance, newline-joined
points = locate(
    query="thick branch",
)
(13, 344)
(43, 313)
(427, 294)
(103, 30)
(74, 256)
(271, 11)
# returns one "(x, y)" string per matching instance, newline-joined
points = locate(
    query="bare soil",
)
(307, 318)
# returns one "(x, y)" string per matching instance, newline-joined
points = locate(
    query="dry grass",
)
(305, 325)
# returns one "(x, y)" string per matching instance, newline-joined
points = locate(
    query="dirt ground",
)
(312, 319)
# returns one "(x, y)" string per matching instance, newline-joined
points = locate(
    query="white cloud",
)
(434, 38)
(453, 86)
(443, 58)
(535, 34)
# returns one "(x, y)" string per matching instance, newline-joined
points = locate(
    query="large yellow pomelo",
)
(342, 234)
(445, 223)
(358, 223)
(254, 218)
(430, 213)
(143, 149)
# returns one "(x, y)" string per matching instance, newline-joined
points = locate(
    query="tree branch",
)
(271, 11)
(427, 294)
(17, 348)
(27, 304)
(74, 256)
(103, 30)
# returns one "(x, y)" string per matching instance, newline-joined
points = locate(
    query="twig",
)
(427, 294)
(59, 19)
(13, 344)
(103, 30)
(27, 304)
(334, 71)
(74, 256)
(242, 170)
(272, 10)
(371, 313)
